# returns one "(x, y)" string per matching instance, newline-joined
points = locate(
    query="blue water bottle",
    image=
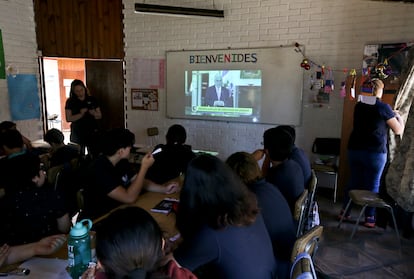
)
(79, 248)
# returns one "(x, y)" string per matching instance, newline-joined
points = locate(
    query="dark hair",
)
(213, 195)
(128, 241)
(23, 168)
(290, 129)
(115, 139)
(75, 83)
(176, 134)
(278, 142)
(11, 139)
(7, 125)
(54, 136)
(245, 166)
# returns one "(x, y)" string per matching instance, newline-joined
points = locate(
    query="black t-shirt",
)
(288, 178)
(30, 214)
(103, 178)
(277, 218)
(63, 155)
(170, 162)
(370, 127)
(82, 130)
(241, 252)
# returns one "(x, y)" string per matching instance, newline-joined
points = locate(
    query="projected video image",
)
(223, 93)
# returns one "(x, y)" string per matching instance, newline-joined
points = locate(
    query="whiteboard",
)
(270, 78)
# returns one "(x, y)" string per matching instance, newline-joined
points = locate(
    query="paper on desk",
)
(44, 268)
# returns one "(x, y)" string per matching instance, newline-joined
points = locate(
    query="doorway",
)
(104, 80)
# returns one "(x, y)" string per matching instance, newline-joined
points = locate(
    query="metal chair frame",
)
(300, 212)
(366, 199)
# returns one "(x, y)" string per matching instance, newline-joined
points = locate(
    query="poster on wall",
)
(2, 61)
(148, 73)
(144, 99)
(23, 96)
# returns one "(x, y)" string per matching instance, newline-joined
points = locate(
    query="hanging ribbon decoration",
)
(382, 70)
(342, 92)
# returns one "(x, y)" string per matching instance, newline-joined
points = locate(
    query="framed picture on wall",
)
(144, 99)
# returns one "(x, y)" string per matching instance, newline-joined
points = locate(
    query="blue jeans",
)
(366, 171)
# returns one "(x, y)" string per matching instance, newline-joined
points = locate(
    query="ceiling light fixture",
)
(143, 8)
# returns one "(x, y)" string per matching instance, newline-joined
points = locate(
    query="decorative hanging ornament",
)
(380, 71)
(305, 64)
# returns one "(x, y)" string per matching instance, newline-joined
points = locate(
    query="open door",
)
(105, 81)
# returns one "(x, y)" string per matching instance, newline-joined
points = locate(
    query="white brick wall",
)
(20, 50)
(334, 33)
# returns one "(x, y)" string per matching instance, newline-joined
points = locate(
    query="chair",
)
(327, 152)
(311, 199)
(65, 179)
(365, 199)
(152, 134)
(80, 199)
(53, 175)
(299, 213)
(307, 243)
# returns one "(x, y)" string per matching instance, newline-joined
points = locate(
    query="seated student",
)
(12, 143)
(67, 178)
(174, 157)
(298, 155)
(30, 209)
(8, 125)
(110, 181)
(273, 206)
(13, 147)
(130, 244)
(60, 153)
(284, 173)
(222, 229)
(44, 247)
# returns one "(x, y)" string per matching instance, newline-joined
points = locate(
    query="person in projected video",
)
(217, 95)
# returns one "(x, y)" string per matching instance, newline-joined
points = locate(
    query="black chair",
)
(327, 151)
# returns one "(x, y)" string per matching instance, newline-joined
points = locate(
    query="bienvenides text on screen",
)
(223, 58)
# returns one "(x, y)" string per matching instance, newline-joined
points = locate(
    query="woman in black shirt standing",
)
(83, 111)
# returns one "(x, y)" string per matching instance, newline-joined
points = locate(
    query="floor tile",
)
(372, 253)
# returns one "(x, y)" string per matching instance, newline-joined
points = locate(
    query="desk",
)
(54, 266)
(148, 200)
